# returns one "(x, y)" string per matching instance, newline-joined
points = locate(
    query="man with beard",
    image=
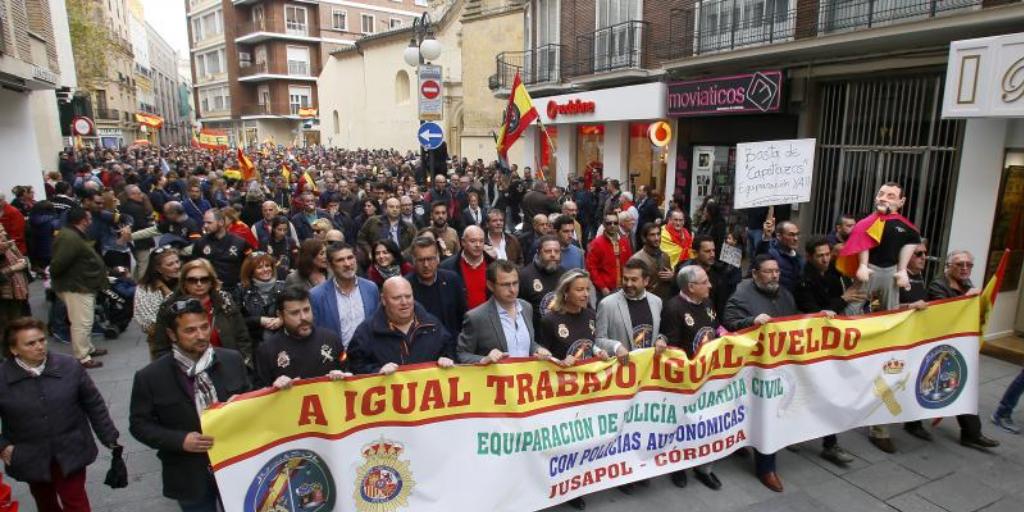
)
(756, 302)
(785, 250)
(225, 251)
(445, 235)
(690, 321)
(658, 266)
(724, 277)
(841, 232)
(956, 282)
(194, 203)
(169, 395)
(299, 350)
(630, 318)
(441, 292)
(539, 278)
(499, 244)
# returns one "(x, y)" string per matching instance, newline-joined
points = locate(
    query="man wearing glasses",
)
(170, 394)
(956, 282)
(607, 255)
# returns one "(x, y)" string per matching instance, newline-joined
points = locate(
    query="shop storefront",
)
(711, 116)
(111, 138)
(985, 86)
(601, 134)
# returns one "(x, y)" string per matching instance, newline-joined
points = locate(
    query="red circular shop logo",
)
(570, 108)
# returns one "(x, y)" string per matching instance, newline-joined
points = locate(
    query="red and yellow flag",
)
(246, 167)
(519, 114)
(995, 283)
(151, 120)
(866, 235)
(286, 173)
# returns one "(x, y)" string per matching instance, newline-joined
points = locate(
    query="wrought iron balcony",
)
(108, 114)
(256, 109)
(618, 47)
(722, 25)
(538, 66)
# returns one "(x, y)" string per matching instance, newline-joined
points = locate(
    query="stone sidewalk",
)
(920, 477)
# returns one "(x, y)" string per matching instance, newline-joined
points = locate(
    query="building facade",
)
(31, 56)
(167, 91)
(255, 63)
(865, 79)
(113, 98)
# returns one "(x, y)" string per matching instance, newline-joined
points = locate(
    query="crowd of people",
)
(337, 262)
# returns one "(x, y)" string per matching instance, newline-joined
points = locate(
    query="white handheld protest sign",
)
(774, 172)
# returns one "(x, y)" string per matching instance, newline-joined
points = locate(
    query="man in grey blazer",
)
(630, 318)
(501, 327)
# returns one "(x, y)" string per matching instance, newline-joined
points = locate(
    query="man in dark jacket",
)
(170, 393)
(724, 277)
(78, 274)
(439, 291)
(539, 278)
(785, 250)
(299, 350)
(401, 332)
(956, 282)
(303, 220)
(537, 201)
(756, 302)
(822, 289)
(225, 251)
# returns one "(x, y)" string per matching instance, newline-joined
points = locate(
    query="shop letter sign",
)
(774, 172)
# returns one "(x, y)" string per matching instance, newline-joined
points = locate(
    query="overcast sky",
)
(168, 18)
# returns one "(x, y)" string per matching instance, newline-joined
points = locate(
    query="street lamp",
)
(422, 47)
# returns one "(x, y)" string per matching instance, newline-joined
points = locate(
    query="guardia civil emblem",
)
(711, 313)
(283, 360)
(941, 378)
(537, 285)
(383, 481)
(688, 319)
(563, 331)
(292, 481)
(327, 353)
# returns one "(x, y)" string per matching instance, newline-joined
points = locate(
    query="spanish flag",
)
(677, 246)
(286, 173)
(995, 283)
(866, 235)
(245, 166)
(519, 114)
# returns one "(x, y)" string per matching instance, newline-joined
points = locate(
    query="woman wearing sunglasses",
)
(199, 281)
(158, 281)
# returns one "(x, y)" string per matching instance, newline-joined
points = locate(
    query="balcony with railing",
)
(714, 26)
(257, 109)
(108, 114)
(253, 69)
(622, 47)
(537, 67)
(249, 31)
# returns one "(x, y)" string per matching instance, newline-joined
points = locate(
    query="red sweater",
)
(476, 283)
(604, 270)
(14, 223)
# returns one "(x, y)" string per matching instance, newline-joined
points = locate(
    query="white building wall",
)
(981, 168)
(21, 167)
(46, 125)
(62, 39)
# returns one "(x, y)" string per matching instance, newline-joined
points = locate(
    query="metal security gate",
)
(890, 129)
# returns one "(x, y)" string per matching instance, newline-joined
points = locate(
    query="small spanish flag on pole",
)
(519, 114)
(246, 167)
(995, 283)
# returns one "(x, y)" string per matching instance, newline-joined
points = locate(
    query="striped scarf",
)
(205, 394)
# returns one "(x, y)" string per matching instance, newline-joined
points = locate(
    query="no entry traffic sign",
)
(431, 96)
(430, 89)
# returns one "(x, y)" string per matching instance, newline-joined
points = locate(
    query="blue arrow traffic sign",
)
(430, 135)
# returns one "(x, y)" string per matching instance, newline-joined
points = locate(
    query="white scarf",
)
(34, 371)
(205, 393)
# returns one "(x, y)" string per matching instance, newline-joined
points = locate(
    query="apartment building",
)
(113, 99)
(166, 91)
(255, 63)
(35, 62)
(866, 78)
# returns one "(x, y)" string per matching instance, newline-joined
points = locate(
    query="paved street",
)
(921, 477)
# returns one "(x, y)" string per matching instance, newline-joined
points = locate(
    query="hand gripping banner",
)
(526, 434)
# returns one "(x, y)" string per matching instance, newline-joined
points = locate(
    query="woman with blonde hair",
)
(227, 326)
(159, 280)
(320, 229)
(568, 327)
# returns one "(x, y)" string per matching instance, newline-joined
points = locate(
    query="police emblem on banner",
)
(383, 481)
(292, 481)
(941, 378)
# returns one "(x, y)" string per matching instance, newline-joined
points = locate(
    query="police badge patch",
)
(537, 285)
(293, 481)
(563, 331)
(283, 360)
(688, 319)
(206, 250)
(383, 482)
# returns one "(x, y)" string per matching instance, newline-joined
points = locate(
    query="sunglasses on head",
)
(198, 280)
(611, 223)
(162, 249)
(187, 306)
(920, 253)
